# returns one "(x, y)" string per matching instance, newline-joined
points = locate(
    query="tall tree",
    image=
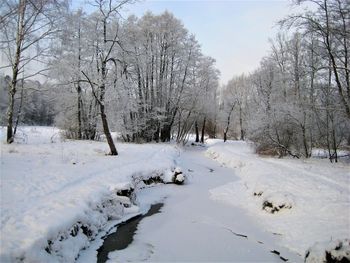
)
(26, 28)
(105, 41)
(330, 24)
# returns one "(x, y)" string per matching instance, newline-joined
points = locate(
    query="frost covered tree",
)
(298, 97)
(208, 85)
(160, 71)
(329, 23)
(100, 74)
(146, 74)
(72, 56)
(235, 107)
(26, 28)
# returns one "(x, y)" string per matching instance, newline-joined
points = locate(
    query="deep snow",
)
(194, 228)
(316, 194)
(60, 197)
(50, 189)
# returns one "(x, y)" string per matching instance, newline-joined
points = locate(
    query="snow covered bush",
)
(334, 251)
(174, 175)
(178, 177)
(169, 176)
(277, 201)
(142, 180)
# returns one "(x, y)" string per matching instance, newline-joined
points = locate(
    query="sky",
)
(234, 32)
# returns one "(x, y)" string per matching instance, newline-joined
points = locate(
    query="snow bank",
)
(56, 196)
(302, 201)
(334, 251)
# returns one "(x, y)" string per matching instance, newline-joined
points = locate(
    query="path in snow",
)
(193, 227)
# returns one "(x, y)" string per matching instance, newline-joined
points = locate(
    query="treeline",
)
(35, 105)
(145, 78)
(157, 81)
(299, 97)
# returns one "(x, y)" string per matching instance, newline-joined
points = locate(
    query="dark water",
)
(124, 235)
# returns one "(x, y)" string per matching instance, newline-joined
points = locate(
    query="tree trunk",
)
(156, 134)
(15, 69)
(228, 122)
(241, 122)
(79, 112)
(335, 150)
(304, 130)
(102, 88)
(79, 87)
(203, 130)
(165, 133)
(107, 132)
(10, 115)
(19, 112)
(197, 132)
(306, 148)
(327, 40)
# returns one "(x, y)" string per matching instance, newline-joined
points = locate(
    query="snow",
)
(192, 227)
(323, 153)
(180, 178)
(50, 187)
(337, 250)
(62, 197)
(314, 194)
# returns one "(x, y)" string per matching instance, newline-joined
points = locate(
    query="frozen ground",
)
(58, 196)
(314, 194)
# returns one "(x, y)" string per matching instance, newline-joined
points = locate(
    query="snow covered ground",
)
(304, 201)
(192, 227)
(56, 195)
(59, 197)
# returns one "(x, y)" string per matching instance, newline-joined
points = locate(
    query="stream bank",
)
(194, 227)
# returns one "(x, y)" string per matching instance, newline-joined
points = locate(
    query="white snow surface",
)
(337, 250)
(50, 188)
(315, 192)
(53, 190)
(192, 227)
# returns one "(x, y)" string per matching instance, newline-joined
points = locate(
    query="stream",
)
(124, 235)
(192, 226)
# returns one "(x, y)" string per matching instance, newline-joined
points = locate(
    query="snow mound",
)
(334, 251)
(174, 175)
(277, 201)
(178, 177)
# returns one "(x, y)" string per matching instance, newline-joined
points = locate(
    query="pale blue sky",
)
(233, 32)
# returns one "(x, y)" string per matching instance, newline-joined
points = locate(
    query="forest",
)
(146, 78)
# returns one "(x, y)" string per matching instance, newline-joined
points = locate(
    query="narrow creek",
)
(124, 235)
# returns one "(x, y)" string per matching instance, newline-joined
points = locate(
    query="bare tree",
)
(329, 23)
(107, 39)
(26, 28)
